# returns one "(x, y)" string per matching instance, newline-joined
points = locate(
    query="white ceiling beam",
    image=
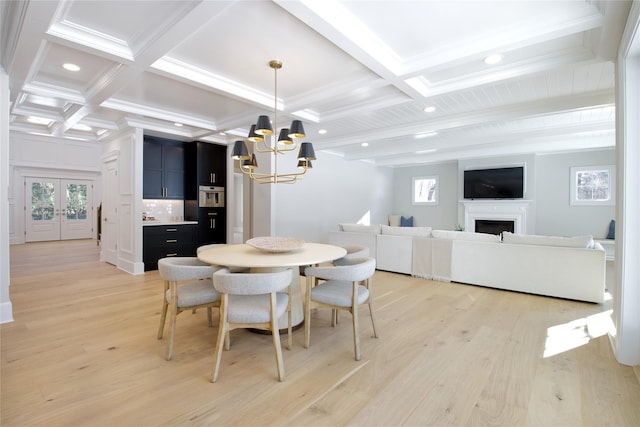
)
(507, 112)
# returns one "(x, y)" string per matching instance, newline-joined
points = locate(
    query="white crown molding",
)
(157, 113)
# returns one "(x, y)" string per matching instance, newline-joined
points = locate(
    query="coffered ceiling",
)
(360, 71)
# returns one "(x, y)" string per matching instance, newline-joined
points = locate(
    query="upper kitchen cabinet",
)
(212, 164)
(163, 169)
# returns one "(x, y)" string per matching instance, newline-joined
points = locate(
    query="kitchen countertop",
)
(158, 222)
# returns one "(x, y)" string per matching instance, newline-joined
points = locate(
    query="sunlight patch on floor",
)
(567, 336)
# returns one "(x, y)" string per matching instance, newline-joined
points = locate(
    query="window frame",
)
(436, 195)
(573, 189)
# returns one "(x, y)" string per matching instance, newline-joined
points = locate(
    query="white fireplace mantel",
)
(498, 210)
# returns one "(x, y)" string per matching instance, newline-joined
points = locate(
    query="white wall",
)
(334, 191)
(6, 309)
(450, 212)
(128, 147)
(555, 215)
(444, 215)
(547, 185)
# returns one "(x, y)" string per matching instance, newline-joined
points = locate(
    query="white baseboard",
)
(6, 312)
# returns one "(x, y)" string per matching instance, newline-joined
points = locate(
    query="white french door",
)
(57, 209)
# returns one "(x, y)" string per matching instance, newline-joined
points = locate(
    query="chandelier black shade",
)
(262, 136)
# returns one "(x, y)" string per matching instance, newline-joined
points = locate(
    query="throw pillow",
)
(359, 228)
(406, 222)
(394, 220)
(612, 230)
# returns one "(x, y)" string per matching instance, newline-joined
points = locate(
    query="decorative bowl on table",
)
(275, 244)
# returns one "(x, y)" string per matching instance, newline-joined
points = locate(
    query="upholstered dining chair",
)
(188, 285)
(347, 285)
(354, 251)
(252, 300)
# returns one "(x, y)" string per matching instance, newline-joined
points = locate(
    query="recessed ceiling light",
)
(425, 135)
(39, 120)
(431, 150)
(322, 131)
(81, 127)
(365, 144)
(178, 124)
(429, 109)
(492, 59)
(70, 67)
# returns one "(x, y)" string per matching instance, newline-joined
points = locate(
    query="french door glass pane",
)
(76, 201)
(42, 201)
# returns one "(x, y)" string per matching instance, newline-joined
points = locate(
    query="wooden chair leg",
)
(354, 314)
(356, 338)
(163, 317)
(209, 317)
(172, 325)
(307, 313)
(275, 334)
(223, 334)
(373, 319)
(289, 329)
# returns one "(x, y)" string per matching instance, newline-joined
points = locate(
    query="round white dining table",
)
(246, 256)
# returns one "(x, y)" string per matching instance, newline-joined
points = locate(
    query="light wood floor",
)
(83, 351)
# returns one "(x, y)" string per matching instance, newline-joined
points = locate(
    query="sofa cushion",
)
(465, 235)
(405, 231)
(406, 221)
(529, 239)
(360, 228)
(612, 230)
(394, 220)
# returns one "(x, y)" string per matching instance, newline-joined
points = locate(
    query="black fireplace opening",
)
(490, 226)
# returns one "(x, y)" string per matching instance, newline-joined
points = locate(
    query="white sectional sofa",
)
(564, 267)
(392, 247)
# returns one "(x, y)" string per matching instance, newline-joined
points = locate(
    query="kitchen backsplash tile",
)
(163, 210)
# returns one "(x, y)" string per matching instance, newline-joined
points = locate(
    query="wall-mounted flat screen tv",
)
(498, 183)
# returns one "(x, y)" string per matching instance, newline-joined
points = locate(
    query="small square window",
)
(425, 190)
(593, 185)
